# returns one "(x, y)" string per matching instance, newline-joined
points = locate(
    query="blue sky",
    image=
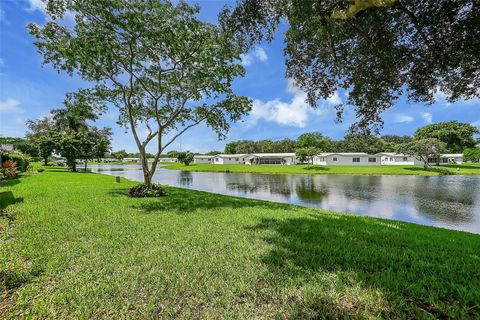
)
(29, 90)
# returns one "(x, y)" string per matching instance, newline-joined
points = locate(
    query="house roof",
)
(452, 155)
(285, 154)
(230, 155)
(203, 156)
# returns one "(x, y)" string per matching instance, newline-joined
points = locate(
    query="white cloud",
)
(40, 5)
(427, 117)
(402, 118)
(294, 113)
(258, 53)
(10, 105)
(3, 17)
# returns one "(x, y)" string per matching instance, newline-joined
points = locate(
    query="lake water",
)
(451, 202)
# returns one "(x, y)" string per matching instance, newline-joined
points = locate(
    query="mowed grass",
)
(466, 169)
(80, 248)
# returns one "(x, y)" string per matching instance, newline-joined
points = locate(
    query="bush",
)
(22, 161)
(142, 191)
(40, 170)
(9, 169)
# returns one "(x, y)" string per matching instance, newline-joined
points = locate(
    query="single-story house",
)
(272, 158)
(254, 158)
(347, 159)
(230, 159)
(380, 159)
(202, 159)
(398, 159)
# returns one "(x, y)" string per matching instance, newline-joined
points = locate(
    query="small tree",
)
(423, 149)
(71, 146)
(185, 157)
(46, 145)
(307, 154)
(164, 69)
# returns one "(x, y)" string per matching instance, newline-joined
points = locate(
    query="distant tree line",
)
(454, 136)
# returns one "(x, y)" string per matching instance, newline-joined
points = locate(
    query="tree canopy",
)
(456, 135)
(375, 50)
(164, 69)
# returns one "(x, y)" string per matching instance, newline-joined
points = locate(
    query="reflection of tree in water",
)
(448, 199)
(357, 187)
(253, 183)
(185, 178)
(309, 191)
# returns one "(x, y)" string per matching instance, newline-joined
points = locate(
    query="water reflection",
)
(448, 201)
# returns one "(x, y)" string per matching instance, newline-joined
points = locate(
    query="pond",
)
(451, 202)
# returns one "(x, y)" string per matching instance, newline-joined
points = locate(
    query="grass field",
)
(80, 248)
(467, 169)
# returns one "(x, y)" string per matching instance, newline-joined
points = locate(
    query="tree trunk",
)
(74, 166)
(86, 165)
(45, 161)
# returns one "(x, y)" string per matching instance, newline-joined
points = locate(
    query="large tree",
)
(315, 140)
(361, 143)
(164, 69)
(457, 136)
(375, 50)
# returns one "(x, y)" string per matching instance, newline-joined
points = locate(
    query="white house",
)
(380, 159)
(202, 159)
(230, 159)
(254, 158)
(272, 158)
(329, 158)
(347, 159)
(397, 159)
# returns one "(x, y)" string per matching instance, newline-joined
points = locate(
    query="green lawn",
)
(80, 248)
(318, 169)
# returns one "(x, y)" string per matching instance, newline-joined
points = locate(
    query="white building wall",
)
(342, 160)
(202, 160)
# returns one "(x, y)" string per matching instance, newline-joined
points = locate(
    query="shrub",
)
(142, 191)
(9, 169)
(40, 170)
(22, 161)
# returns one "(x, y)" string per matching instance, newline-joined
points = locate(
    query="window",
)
(444, 160)
(335, 159)
(356, 159)
(229, 158)
(236, 159)
(405, 158)
(372, 160)
(432, 160)
(216, 159)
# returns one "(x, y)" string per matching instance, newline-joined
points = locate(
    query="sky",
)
(28, 90)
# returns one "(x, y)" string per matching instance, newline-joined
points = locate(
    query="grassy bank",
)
(467, 169)
(80, 248)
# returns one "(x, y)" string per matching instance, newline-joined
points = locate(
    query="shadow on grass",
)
(187, 201)
(420, 272)
(316, 168)
(7, 198)
(10, 182)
